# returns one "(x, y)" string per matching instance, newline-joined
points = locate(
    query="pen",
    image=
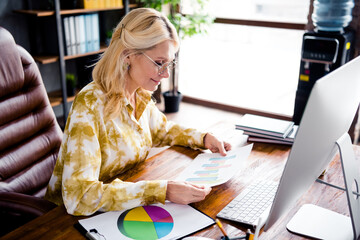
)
(89, 236)
(221, 228)
(234, 238)
(249, 235)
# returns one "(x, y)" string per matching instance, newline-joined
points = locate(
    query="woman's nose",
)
(165, 73)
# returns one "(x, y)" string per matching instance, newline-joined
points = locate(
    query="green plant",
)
(109, 34)
(186, 25)
(71, 82)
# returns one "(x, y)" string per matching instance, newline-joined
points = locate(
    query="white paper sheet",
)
(165, 222)
(212, 169)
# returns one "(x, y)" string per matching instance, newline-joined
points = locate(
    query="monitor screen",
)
(329, 113)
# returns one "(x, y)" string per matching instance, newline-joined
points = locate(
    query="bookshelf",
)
(60, 97)
(46, 13)
(54, 58)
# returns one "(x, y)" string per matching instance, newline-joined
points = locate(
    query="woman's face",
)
(144, 73)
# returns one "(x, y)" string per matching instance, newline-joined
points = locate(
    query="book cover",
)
(77, 34)
(72, 34)
(88, 33)
(268, 140)
(95, 32)
(289, 138)
(88, 4)
(67, 36)
(265, 125)
(82, 36)
(119, 3)
(107, 3)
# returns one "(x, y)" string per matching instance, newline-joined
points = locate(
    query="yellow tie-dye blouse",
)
(94, 150)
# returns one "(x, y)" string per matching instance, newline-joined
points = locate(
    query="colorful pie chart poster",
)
(154, 222)
(169, 221)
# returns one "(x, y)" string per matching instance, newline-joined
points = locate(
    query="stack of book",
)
(81, 33)
(98, 4)
(267, 130)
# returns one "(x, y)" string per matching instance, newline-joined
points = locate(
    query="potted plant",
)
(108, 36)
(70, 84)
(186, 26)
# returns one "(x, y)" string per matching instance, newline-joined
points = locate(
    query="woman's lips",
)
(157, 82)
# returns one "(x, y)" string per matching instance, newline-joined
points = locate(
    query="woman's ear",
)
(128, 55)
(126, 52)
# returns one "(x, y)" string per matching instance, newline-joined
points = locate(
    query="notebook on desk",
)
(257, 137)
(265, 125)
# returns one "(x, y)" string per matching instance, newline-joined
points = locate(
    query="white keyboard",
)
(251, 203)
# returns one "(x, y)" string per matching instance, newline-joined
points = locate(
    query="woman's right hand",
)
(184, 192)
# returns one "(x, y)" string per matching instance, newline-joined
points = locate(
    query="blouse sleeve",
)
(166, 132)
(82, 191)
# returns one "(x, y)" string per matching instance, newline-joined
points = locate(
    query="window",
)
(251, 56)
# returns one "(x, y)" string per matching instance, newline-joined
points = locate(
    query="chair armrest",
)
(17, 209)
(18, 203)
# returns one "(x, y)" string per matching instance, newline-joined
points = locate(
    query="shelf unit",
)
(60, 97)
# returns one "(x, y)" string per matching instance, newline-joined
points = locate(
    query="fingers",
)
(199, 192)
(227, 146)
(204, 189)
(222, 149)
(185, 192)
(215, 145)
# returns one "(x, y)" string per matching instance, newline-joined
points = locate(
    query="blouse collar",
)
(143, 97)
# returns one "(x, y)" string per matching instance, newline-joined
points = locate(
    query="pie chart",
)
(145, 223)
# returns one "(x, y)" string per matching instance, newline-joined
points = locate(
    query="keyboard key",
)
(248, 206)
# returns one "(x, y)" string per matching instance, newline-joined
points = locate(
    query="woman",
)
(113, 124)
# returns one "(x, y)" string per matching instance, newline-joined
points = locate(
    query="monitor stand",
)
(314, 221)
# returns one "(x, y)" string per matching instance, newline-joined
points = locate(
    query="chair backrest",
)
(30, 136)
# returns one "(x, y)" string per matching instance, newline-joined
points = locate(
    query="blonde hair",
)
(141, 29)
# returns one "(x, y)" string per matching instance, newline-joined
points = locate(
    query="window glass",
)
(245, 66)
(294, 11)
(250, 67)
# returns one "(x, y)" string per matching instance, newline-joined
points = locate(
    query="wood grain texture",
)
(266, 161)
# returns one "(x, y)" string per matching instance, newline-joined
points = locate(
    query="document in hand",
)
(265, 125)
(212, 169)
(169, 221)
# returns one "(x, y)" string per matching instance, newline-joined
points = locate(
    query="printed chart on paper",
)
(211, 169)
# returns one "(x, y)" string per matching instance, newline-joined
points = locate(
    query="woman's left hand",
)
(215, 145)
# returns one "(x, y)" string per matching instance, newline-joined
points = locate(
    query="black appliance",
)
(322, 52)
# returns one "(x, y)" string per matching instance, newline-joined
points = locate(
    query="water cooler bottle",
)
(326, 48)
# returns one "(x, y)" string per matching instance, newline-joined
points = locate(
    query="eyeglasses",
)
(162, 67)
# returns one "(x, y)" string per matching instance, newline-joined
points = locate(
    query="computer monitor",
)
(328, 115)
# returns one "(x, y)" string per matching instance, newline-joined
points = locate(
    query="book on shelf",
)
(66, 23)
(93, 4)
(77, 33)
(81, 34)
(268, 130)
(95, 32)
(72, 35)
(88, 33)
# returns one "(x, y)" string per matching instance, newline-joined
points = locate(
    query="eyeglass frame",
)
(166, 66)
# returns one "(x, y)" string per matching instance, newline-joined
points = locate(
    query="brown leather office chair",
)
(29, 137)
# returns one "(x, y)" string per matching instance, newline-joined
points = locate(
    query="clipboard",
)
(157, 221)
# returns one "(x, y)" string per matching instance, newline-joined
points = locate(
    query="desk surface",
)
(266, 161)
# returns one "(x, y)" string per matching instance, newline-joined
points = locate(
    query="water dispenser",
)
(326, 48)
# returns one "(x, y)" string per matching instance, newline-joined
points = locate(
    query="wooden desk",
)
(266, 161)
